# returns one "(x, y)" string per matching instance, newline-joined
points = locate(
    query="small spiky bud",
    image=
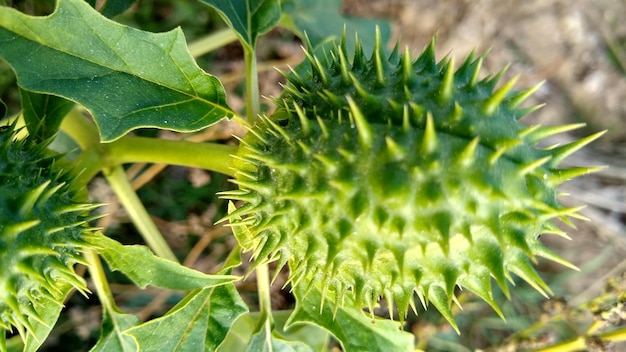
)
(399, 177)
(41, 232)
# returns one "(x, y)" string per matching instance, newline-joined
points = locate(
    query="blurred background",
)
(578, 47)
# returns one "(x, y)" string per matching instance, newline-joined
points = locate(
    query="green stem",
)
(210, 156)
(99, 279)
(252, 85)
(82, 131)
(580, 343)
(263, 288)
(265, 300)
(211, 42)
(138, 214)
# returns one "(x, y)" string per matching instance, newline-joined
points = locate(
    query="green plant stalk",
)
(212, 42)
(580, 343)
(139, 215)
(83, 132)
(99, 280)
(252, 84)
(209, 156)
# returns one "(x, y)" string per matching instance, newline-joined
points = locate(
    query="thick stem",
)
(82, 131)
(140, 217)
(99, 279)
(265, 300)
(252, 85)
(209, 156)
(211, 42)
(263, 288)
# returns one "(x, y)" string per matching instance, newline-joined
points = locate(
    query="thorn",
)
(406, 122)
(492, 81)
(256, 134)
(474, 79)
(393, 57)
(366, 136)
(520, 97)
(536, 133)
(429, 143)
(49, 192)
(545, 252)
(30, 199)
(501, 149)
(550, 228)
(457, 113)
(438, 297)
(493, 102)
(407, 67)
(345, 70)
(323, 127)
(467, 63)
(468, 154)
(275, 127)
(358, 61)
(362, 92)
(532, 166)
(526, 272)
(378, 58)
(561, 175)
(562, 213)
(396, 152)
(562, 152)
(304, 121)
(328, 95)
(426, 60)
(528, 110)
(329, 163)
(11, 231)
(316, 65)
(343, 46)
(446, 90)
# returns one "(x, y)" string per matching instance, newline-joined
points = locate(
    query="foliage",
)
(377, 176)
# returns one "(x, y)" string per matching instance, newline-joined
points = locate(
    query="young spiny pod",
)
(42, 229)
(392, 177)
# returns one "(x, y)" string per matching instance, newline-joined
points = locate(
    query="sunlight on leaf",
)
(249, 18)
(144, 268)
(350, 326)
(127, 78)
(199, 322)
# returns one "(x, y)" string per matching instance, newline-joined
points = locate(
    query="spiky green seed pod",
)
(389, 177)
(41, 232)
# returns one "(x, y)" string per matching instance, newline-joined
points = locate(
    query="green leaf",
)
(199, 322)
(240, 335)
(43, 113)
(144, 268)
(322, 21)
(264, 341)
(127, 78)
(48, 310)
(112, 338)
(249, 18)
(350, 326)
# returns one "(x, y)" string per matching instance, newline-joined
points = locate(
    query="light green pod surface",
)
(41, 233)
(392, 177)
